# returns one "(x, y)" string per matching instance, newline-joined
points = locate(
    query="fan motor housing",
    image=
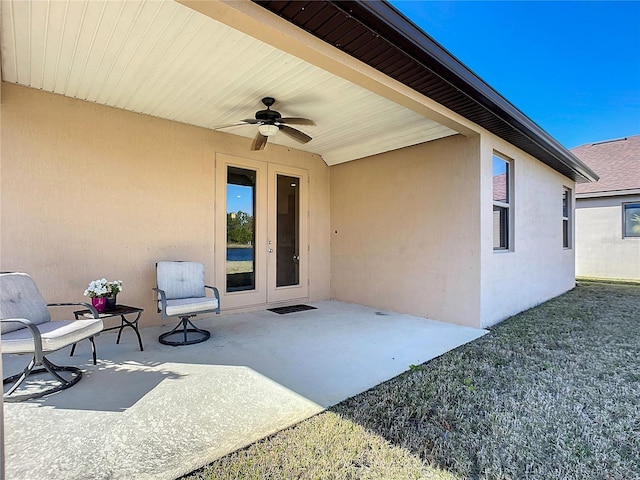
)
(270, 116)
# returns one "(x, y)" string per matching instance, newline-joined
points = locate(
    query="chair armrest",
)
(37, 339)
(216, 293)
(88, 306)
(163, 301)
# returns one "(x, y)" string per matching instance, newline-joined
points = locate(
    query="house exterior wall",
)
(537, 267)
(405, 231)
(89, 191)
(601, 249)
(412, 231)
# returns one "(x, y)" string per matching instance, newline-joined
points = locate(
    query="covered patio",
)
(166, 411)
(126, 128)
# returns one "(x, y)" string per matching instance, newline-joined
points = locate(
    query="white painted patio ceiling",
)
(163, 59)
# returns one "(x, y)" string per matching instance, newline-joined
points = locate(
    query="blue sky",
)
(572, 67)
(239, 199)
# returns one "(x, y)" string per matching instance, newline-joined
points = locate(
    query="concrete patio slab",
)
(166, 411)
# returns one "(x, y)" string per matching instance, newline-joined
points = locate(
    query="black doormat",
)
(291, 309)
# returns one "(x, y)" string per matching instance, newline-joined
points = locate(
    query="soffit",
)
(163, 59)
(380, 36)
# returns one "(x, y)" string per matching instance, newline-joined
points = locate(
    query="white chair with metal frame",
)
(182, 293)
(27, 329)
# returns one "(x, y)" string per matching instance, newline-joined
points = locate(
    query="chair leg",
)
(182, 328)
(19, 378)
(93, 348)
(47, 367)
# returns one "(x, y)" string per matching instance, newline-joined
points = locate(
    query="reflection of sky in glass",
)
(499, 166)
(239, 199)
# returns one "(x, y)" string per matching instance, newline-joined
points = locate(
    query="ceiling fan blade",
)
(296, 121)
(237, 124)
(252, 121)
(259, 142)
(295, 134)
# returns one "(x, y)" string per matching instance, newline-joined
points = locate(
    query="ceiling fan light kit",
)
(271, 122)
(268, 130)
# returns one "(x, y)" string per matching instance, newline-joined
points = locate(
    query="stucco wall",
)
(601, 250)
(89, 191)
(405, 231)
(537, 267)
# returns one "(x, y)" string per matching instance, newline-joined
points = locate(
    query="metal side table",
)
(120, 310)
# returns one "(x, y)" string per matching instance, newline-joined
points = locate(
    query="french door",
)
(261, 232)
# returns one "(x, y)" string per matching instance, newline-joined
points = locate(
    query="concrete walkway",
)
(164, 412)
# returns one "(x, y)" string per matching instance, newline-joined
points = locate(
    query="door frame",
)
(265, 215)
(274, 293)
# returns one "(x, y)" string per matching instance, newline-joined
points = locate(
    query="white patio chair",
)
(27, 329)
(182, 293)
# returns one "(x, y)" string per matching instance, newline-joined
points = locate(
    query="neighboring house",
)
(608, 211)
(422, 191)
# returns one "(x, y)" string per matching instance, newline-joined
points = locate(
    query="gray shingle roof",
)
(617, 162)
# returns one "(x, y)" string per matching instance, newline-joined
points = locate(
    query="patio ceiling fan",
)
(271, 122)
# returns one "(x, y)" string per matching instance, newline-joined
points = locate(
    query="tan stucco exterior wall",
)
(538, 267)
(89, 191)
(405, 231)
(601, 249)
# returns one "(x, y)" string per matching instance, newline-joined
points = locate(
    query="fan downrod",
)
(268, 116)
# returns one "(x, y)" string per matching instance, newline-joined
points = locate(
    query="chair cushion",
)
(20, 298)
(190, 305)
(181, 279)
(55, 335)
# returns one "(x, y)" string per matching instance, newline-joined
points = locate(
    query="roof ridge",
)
(610, 141)
(601, 142)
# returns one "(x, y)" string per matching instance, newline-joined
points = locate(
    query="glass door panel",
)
(287, 231)
(240, 254)
(240, 231)
(287, 234)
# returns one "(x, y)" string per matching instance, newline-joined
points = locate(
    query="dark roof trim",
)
(379, 35)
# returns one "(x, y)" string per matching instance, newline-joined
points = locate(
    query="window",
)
(241, 237)
(501, 203)
(566, 218)
(631, 220)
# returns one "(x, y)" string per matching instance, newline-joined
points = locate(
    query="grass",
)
(552, 393)
(239, 266)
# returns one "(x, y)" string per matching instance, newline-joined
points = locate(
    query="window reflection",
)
(240, 258)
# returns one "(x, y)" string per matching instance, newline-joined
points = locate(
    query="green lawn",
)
(552, 393)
